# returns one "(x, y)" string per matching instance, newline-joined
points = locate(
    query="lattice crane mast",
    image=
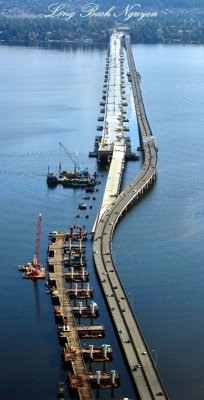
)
(71, 158)
(77, 164)
(37, 244)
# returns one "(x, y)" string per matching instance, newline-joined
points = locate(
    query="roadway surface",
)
(145, 376)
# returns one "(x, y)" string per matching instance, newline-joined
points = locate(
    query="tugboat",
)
(33, 270)
(82, 206)
(58, 311)
(61, 387)
(52, 179)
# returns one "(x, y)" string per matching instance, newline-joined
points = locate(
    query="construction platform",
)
(56, 263)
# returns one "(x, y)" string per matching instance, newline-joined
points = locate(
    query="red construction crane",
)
(35, 270)
(38, 235)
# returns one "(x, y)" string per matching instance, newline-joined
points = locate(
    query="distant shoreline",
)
(65, 43)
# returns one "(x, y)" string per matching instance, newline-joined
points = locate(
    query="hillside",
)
(176, 21)
(41, 6)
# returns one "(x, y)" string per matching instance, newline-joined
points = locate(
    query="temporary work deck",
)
(78, 366)
(146, 377)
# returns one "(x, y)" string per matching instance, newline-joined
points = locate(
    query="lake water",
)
(51, 96)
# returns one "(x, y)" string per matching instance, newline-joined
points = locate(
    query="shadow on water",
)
(63, 46)
(37, 300)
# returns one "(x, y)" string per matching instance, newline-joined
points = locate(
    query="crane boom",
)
(76, 166)
(38, 236)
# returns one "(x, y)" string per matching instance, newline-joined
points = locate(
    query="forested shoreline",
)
(29, 22)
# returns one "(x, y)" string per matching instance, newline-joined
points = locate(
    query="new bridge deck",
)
(113, 111)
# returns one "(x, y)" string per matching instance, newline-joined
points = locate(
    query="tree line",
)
(180, 27)
(39, 6)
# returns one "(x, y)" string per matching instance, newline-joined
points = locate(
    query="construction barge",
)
(71, 179)
(34, 270)
(67, 284)
(78, 178)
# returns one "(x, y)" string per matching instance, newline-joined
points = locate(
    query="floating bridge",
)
(113, 103)
(113, 111)
(112, 150)
(115, 204)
